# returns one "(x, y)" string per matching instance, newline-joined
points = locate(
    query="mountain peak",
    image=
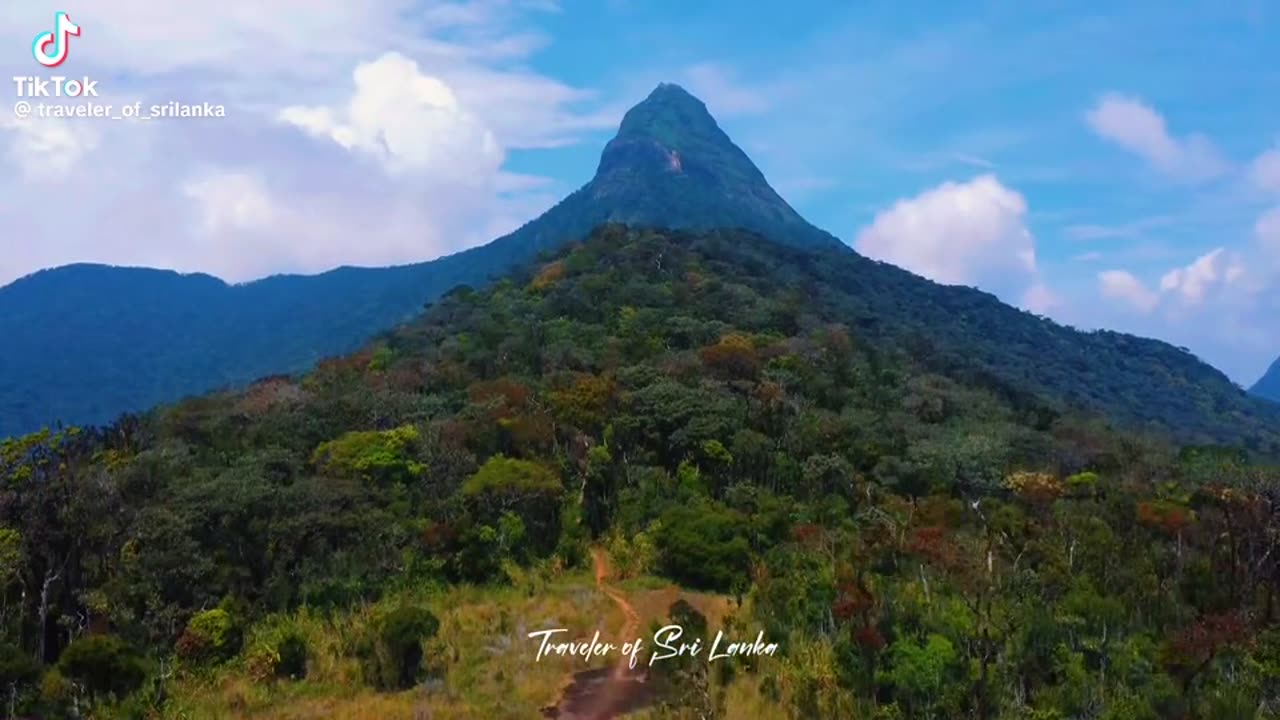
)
(669, 114)
(672, 165)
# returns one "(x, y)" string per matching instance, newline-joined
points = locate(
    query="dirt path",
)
(606, 694)
(632, 626)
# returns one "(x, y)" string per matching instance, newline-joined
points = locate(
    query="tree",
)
(104, 665)
(382, 456)
(703, 545)
(528, 490)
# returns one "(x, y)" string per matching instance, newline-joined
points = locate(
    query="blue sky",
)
(1105, 167)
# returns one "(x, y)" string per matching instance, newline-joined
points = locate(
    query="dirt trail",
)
(632, 626)
(606, 694)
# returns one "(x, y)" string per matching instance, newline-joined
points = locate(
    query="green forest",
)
(926, 526)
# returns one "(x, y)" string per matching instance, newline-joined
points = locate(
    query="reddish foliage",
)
(733, 357)
(1196, 645)
(265, 394)
(851, 601)
(439, 537)
(454, 433)
(770, 395)
(837, 341)
(507, 392)
(530, 433)
(869, 637)
(1163, 516)
(409, 378)
(192, 645)
(933, 545)
(332, 367)
(806, 533)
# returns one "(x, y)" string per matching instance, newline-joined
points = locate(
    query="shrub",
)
(16, 667)
(103, 664)
(391, 655)
(292, 653)
(278, 656)
(529, 491)
(210, 636)
(702, 546)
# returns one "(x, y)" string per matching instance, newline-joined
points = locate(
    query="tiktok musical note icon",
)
(63, 29)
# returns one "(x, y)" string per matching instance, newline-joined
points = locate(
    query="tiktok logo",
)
(50, 48)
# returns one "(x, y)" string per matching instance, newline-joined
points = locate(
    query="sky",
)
(1107, 167)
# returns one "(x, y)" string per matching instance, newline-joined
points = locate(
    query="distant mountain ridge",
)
(1268, 386)
(88, 342)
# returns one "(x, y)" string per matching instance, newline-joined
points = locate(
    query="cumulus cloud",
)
(1139, 128)
(970, 233)
(1192, 283)
(441, 92)
(1123, 286)
(408, 121)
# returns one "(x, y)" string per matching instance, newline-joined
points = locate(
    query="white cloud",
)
(1193, 282)
(408, 121)
(1122, 285)
(463, 93)
(1040, 300)
(231, 201)
(1137, 127)
(956, 233)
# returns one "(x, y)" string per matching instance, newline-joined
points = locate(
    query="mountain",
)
(1268, 386)
(90, 342)
(86, 343)
(799, 447)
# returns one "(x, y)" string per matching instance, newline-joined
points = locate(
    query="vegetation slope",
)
(925, 534)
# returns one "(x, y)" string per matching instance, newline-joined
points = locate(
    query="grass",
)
(482, 643)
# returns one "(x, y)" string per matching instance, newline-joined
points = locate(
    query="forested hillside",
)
(86, 343)
(927, 532)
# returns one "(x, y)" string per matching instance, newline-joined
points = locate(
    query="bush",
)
(103, 664)
(702, 546)
(527, 490)
(281, 655)
(16, 667)
(18, 674)
(210, 636)
(292, 653)
(391, 655)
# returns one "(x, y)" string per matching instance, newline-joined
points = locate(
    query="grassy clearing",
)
(482, 644)
(483, 641)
